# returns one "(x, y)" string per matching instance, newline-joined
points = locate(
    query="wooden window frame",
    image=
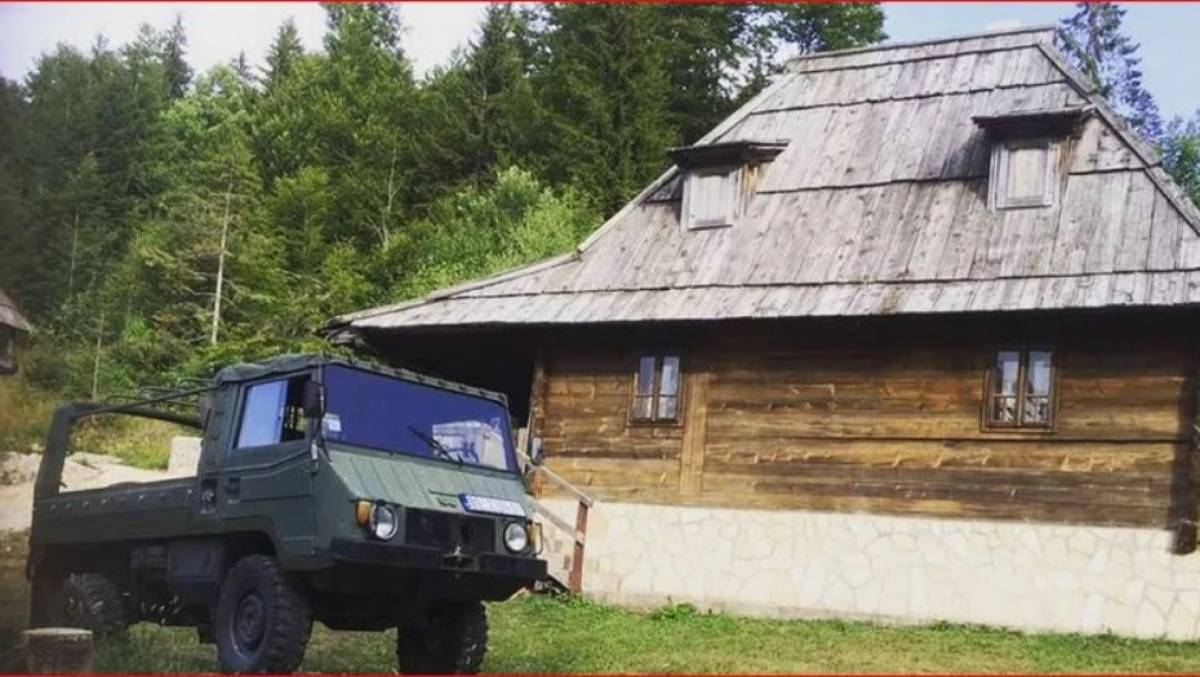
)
(998, 178)
(654, 419)
(987, 423)
(733, 174)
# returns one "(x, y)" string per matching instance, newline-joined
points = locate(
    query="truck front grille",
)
(448, 531)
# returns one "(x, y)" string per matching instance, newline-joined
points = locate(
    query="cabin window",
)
(656, 389)
(1022, 174)
(1020, 390)
(711, 198)
(273, 412)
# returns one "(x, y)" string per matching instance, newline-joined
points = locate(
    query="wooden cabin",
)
(12, 326)
(913, 334)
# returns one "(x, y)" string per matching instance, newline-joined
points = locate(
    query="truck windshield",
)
(392, 414)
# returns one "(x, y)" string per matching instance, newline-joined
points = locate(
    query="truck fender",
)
(195, 569)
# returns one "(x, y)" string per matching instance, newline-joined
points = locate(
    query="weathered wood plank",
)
(695, 422)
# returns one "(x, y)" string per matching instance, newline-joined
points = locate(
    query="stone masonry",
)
(1036, 577)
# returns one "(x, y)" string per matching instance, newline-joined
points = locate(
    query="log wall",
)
(884, 419)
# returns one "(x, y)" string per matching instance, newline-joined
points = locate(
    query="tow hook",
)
(456, 559)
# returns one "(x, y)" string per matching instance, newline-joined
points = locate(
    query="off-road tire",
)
(453, 640)
(92, 602)
(263, 619)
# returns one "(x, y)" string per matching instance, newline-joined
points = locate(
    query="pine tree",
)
(1181, 154)
(1093, 41)
(284, 52)
(177, 71)
(481, 112)
(703, 50)
(363, 121)
(241, 67)
(215, 270)
(605, 82)
(147, 211)
(20, 240)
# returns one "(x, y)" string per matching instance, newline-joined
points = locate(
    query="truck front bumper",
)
(423, 557)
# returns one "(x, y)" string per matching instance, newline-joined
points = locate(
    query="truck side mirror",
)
(535, 451)
(314, 400)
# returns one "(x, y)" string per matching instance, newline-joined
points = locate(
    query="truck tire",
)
(93, 602)
(263, 618)
(453, 641)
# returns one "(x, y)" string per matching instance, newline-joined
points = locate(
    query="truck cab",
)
(327, 489)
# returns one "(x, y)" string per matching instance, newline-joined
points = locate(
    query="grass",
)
(539, 634)
(25, 413)
(139, 442)
(542, 634)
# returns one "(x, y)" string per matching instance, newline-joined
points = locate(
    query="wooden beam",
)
(695, 424)
(575, 577)
(1187, 472)
(533, 426)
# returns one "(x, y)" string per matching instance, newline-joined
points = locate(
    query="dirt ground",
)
(81, 471)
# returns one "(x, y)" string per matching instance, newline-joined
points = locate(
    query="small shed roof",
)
(10, 316)
(877, 205)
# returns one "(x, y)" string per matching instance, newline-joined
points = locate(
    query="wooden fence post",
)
(575, 578)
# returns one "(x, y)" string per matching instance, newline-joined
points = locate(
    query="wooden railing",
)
(578, 533)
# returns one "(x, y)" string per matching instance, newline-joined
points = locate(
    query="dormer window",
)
(1024, 174)
(1025, 147)
(711, 198)
(719, 179)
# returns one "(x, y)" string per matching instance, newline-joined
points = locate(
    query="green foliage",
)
(674, 612)
(1093, 41)
(482, 111)
(133, 189)
(283, 54)
(176, 69)
(476, 232)
(604, 79)
(25, 413)
(1181, 154)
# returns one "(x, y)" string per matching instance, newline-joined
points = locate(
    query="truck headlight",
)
(516, 537)
(383, 524)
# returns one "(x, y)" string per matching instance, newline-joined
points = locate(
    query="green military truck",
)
(361, 497)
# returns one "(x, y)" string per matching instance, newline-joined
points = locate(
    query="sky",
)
(217, 31)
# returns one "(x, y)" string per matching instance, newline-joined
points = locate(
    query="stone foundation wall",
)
(1039, 577)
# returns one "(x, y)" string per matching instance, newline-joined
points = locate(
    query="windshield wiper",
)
(435, 445)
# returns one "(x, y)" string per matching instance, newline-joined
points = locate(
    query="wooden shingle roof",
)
(877, 205)
(10, 316)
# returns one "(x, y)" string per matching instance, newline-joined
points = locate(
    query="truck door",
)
(264, 480)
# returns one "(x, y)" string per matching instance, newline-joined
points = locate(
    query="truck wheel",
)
(92, 602)
(263, 619)
(453, 641)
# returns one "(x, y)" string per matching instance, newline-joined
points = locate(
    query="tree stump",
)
(58, 650)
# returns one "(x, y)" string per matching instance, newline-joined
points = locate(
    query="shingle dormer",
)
(1026, 148)
(719, 179)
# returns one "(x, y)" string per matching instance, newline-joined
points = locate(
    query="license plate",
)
(491, 505)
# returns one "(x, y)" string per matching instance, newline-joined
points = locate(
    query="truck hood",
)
(421, 483)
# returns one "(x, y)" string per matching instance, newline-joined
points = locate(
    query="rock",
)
(185, 456)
